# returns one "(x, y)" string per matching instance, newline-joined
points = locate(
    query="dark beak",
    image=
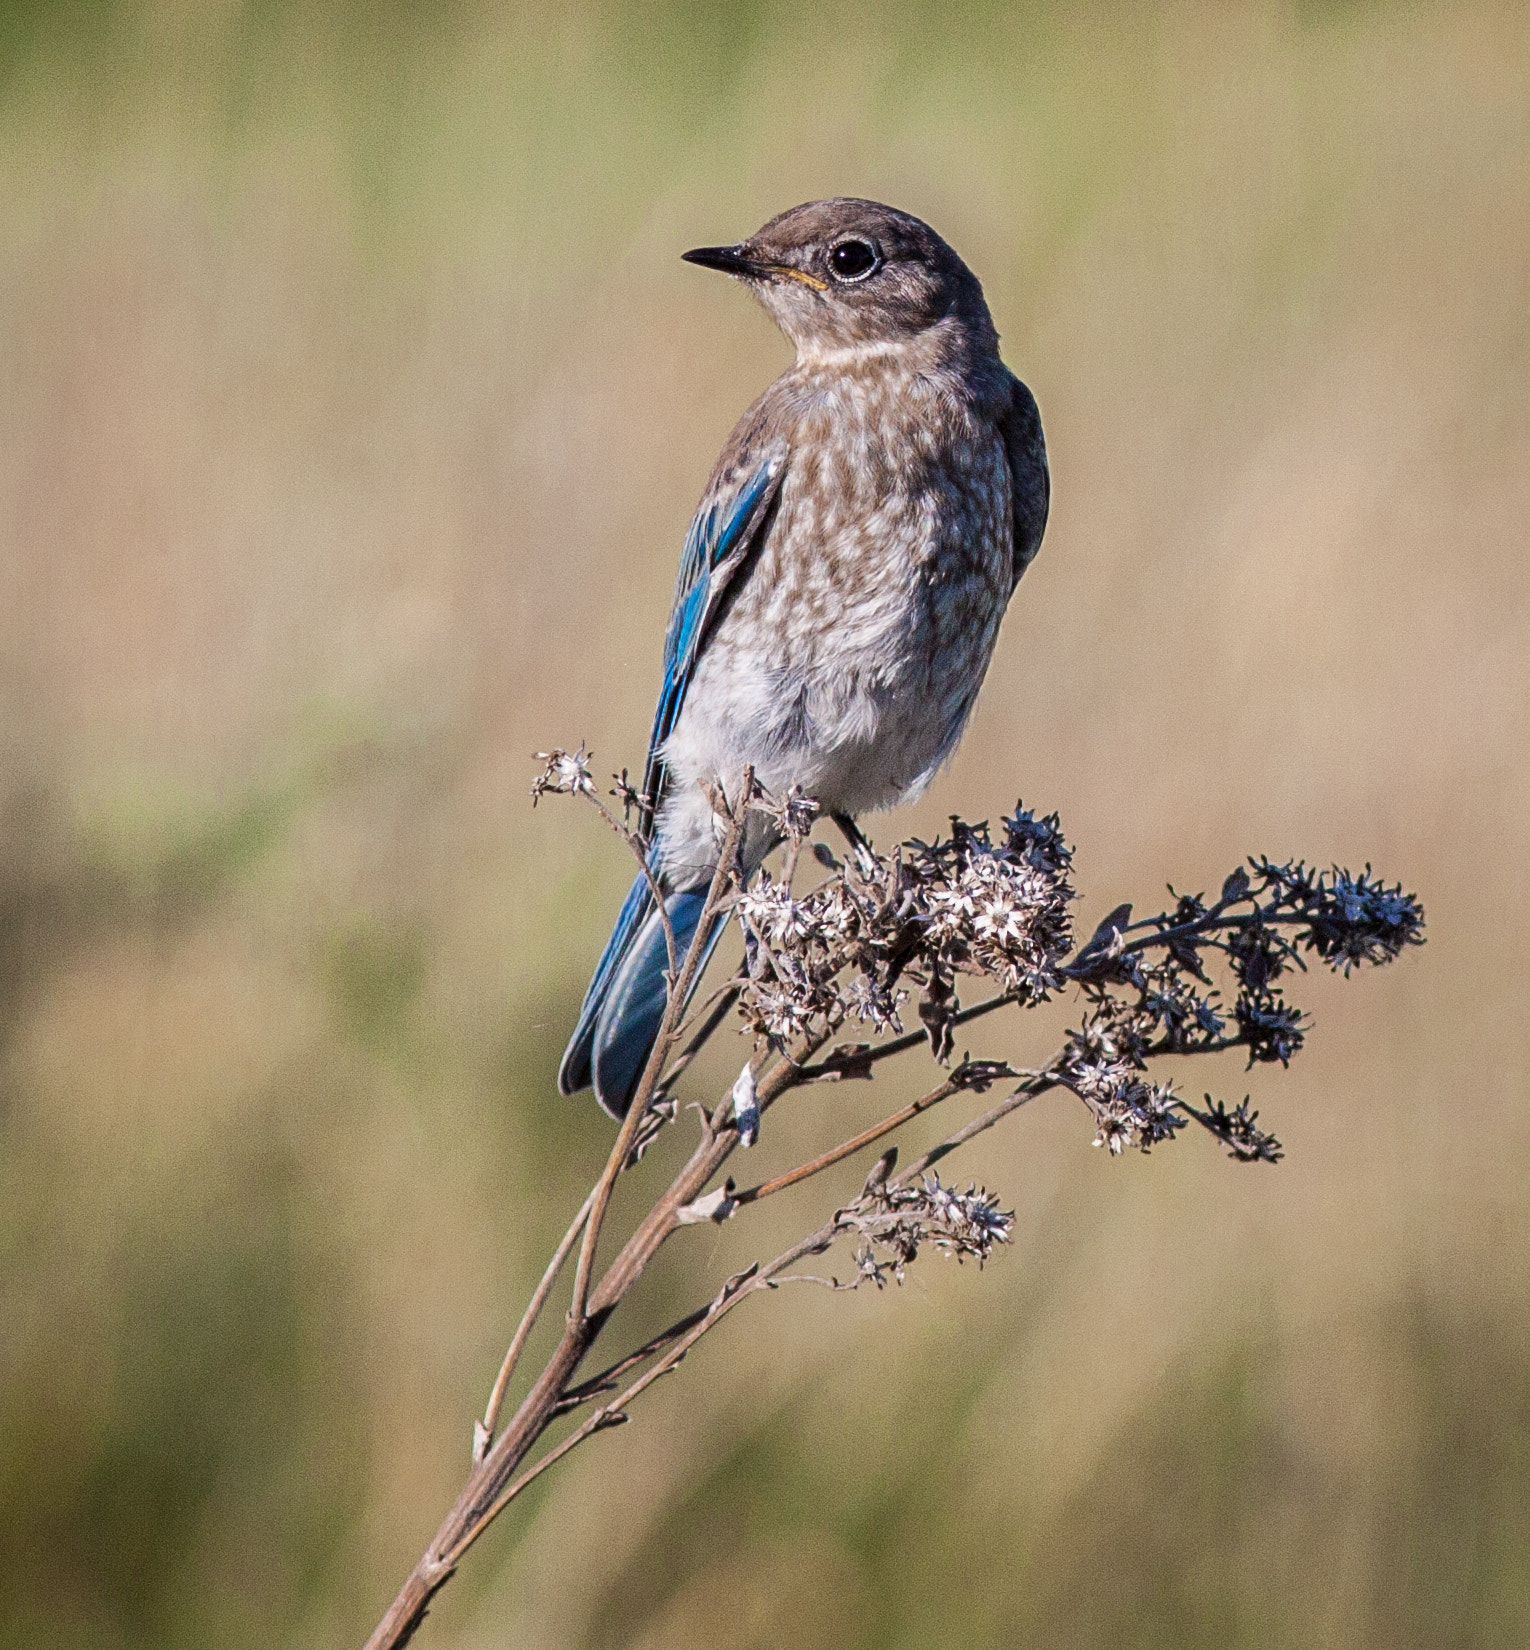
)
(731, 260)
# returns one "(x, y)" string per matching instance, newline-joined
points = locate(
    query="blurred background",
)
(353, 404)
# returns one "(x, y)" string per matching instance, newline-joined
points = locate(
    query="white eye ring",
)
(853, 259)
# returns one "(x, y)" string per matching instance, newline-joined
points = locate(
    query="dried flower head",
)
(563, 773)
(964, 905)
(1238, 1130)
(1150, 988)
(1127, 1111)
(894, 1222)
(794, 813)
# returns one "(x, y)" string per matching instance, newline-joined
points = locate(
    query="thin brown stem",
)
(736, 1289)
(481, 1495)
(636, 841)
(607, 1378)
(848, 1148)
(679, 991)
(725, 998)
(714, 1148)
(485, 1436)
(606, 1416)
(1037, 1084)
(900, 1045)
(437, 1563)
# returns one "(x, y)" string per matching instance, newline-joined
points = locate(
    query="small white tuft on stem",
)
(717, 1206)
(746, 1107)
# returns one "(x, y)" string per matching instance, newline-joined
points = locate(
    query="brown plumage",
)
(894, 480)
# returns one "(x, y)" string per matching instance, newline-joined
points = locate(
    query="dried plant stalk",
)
(850, 953)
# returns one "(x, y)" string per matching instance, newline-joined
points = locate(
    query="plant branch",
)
(683, 1336)
(805, 1171)
(678, 994)
(726, 997)
(829, 1071)
(972, 904)
(1037, 1084)
(483, 1433)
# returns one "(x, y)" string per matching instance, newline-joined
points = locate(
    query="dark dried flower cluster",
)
(894, 1221)
(1150, 993)
(1000, 911)
(1238, 1130)
(926, 913)
(1349, 920)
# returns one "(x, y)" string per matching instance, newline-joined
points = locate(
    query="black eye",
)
(850, 260)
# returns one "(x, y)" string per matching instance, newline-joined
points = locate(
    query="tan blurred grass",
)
(352, 406)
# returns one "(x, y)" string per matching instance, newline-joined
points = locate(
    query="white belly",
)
(852, 652)
(866, 728)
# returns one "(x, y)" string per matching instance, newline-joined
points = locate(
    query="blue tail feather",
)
(625, 1002)
(629, 1022)
(575, 1073)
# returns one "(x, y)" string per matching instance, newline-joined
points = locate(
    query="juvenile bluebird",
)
(842, 583)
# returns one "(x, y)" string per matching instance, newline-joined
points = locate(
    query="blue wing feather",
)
(715, 548)
(625, 1001)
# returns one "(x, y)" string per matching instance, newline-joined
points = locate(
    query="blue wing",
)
(625, 1002)
(720, 537)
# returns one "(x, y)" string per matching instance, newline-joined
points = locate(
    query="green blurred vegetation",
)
(352, 406)
(1208, 1520)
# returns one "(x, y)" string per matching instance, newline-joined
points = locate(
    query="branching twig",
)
(679, 995)
(971, 1076)
(850, 951)
(483, 1433)
(571, 774)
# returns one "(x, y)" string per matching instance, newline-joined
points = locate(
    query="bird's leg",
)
(865, 859)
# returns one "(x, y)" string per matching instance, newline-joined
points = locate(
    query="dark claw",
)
(865, 859)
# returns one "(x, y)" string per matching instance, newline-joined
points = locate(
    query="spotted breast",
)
(851, 655)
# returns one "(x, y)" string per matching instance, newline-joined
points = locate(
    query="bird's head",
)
(839, 274)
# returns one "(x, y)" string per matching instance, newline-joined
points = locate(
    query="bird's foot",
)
(865, 859)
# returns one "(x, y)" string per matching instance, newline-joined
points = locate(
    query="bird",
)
(841, 585)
